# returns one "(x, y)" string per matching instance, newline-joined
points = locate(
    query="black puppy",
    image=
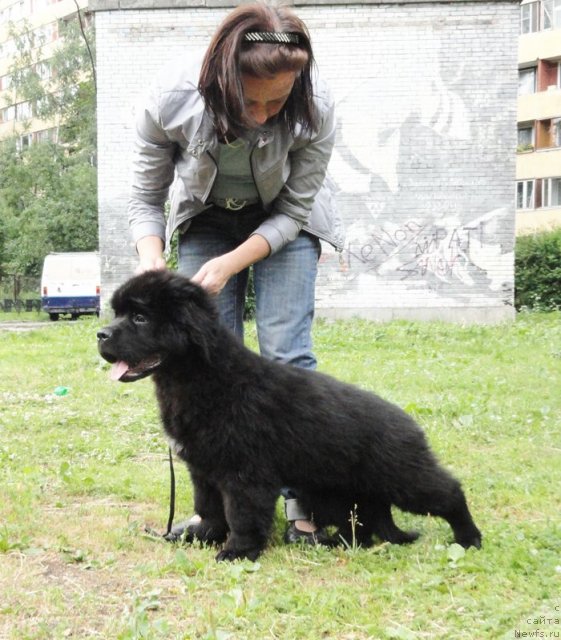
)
(247, 426)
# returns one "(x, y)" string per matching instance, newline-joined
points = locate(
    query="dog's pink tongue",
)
(118, 370)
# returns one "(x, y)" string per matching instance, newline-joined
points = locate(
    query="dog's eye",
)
(138, 318)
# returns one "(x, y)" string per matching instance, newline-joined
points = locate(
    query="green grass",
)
(82, 473)
(23, 316)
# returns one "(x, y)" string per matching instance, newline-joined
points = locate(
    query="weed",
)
(138, 624)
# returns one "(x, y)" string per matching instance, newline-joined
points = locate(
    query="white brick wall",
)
(424, 158)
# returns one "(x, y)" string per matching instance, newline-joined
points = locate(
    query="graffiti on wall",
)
(435, 253)
(416, 182)
(423, 251)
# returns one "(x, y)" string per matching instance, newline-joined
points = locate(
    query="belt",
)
(233, 204)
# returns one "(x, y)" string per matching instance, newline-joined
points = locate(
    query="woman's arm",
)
(152, 173)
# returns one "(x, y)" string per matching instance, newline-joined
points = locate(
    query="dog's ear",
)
(185, 309)
(195, 315)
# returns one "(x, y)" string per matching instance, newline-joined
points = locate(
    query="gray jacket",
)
(176, 145)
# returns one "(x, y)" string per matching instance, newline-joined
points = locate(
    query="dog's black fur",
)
(247, 426)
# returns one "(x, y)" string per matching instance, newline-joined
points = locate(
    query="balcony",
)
(544, 163)
(540, 45)
(540, 106)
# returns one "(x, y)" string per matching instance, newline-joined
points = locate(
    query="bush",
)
(538, 271)
(249, 308)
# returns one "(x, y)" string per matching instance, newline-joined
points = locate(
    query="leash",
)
(171, 494)
(171, 515)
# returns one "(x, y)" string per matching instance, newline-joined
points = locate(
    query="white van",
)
(70, 284)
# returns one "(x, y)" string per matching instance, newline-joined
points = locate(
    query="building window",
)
(548, 73)
(526, 81)
(47, 33)
(46, 135)
(525, 194)
(24, 141)
(8, 114)
(548, 134)
(529, 17)
(39, 5)
(23, 111)
(551, 14)
(8, 48)
(40, 107)
(43, 70)
(15, 11)
(541, 15)
(525, 138)
(552, 192)
(5, 82)
(556, 132)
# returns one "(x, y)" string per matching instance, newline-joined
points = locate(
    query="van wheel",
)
(53, 316)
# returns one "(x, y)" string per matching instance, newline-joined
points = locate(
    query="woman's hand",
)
(215, 273)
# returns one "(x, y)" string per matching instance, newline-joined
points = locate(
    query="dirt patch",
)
(81, 574)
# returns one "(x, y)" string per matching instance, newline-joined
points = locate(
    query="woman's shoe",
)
(178, 531)
(319, 536)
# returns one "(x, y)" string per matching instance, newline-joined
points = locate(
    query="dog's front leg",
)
(208, 505)
(249, 513)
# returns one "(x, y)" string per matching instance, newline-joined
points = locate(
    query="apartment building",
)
(538, 162)
(43, 18)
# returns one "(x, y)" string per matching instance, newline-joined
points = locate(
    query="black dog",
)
(247, 426)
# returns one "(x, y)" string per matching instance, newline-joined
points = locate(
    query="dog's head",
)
(159, 317)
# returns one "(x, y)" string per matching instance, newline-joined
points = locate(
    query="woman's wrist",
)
(150, 254)
(254, 249)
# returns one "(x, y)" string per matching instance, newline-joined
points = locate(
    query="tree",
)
(47, 203)
(48, 190)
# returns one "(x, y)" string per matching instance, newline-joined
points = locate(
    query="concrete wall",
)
(424, 158)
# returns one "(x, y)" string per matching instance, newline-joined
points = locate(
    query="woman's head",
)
(257, 66)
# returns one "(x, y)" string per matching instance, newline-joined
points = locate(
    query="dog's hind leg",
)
(442, 495)
(362, 516)
(249, 514)
(379, 520)
(456, 512)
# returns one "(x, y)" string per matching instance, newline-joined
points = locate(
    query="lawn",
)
(83, 469)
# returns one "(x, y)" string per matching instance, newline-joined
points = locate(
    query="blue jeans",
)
(284, 282)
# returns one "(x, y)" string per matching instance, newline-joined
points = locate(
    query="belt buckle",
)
(233, 204)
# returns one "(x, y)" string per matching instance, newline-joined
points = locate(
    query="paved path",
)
(14, 325)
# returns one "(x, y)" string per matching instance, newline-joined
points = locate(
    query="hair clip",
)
(273, 37)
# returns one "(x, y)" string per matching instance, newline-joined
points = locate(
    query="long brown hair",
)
(229, 56)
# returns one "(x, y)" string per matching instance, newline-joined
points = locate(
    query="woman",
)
(243, 138)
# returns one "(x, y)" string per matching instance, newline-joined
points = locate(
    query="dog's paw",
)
(229, 555)
(471, 540)
(405, 537)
